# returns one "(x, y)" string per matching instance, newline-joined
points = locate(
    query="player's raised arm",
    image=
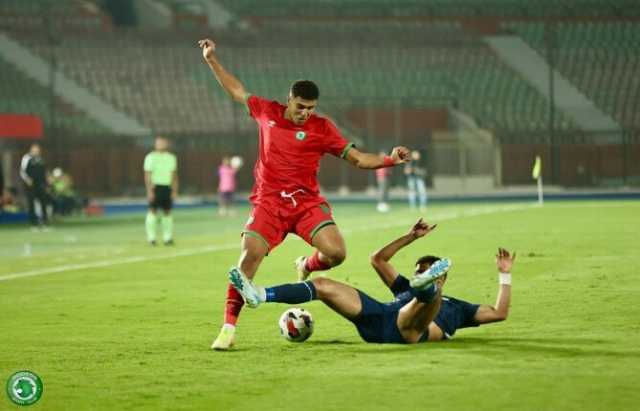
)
(380, 259)
(228, 81)
(399, 155)
(487, 313)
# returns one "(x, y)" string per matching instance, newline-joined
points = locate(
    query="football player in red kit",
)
(286, 196)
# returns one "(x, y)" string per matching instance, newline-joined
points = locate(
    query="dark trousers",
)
(37, 194)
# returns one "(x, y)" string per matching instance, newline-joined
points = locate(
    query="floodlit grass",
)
(110, 323)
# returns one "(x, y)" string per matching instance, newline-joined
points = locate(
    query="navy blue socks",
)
(291, 293)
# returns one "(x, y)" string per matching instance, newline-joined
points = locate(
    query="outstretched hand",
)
(400, 155)
(504, 260)
(421, 228)
(208, 47)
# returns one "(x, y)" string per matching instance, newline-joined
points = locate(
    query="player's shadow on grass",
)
(331, 342)
(496, 347)
(540, 340)
(559, 347)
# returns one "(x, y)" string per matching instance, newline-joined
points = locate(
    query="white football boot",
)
(225, 340)
(300, 264)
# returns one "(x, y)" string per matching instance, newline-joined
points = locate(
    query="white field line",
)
(209, 249)
(447, 215)
(109, 263)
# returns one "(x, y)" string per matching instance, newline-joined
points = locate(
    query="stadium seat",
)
(20, 94)
(160, 79)
(599, 58)
(431, 8)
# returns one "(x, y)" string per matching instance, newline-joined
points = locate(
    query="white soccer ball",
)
(236, 162)
(296, 324)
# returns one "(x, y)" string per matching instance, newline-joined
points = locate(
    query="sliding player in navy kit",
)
(419, 311)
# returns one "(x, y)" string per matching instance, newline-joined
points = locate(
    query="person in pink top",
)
(226, 186)
(382, 178)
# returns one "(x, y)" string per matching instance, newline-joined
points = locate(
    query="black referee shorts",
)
(161, 198)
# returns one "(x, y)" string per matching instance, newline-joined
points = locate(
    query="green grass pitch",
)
(112, 324)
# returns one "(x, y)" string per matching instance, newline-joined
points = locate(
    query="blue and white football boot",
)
(248, 291)
(437, 270)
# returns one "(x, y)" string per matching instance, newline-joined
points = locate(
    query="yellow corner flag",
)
(537, 168)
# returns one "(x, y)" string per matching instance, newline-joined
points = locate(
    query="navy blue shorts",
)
(377, 323)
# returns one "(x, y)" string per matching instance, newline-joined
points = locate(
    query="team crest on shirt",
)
(325, 208)
(300, 135)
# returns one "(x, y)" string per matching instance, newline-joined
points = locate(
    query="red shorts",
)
(271, 224)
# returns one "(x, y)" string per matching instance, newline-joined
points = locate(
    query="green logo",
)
(325, 208)
(24, 388)
(300, 135)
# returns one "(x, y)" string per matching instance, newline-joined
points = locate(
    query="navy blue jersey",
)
(453, 315)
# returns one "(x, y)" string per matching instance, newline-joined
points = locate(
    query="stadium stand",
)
(21, 95)
(404, 59)
(601, 59)
(30, 14)
(146, 78)
(159, 78)
(433, 8)
(436, 62)
(470, 77)
(195, 8)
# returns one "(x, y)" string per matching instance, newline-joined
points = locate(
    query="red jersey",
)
(288, 154)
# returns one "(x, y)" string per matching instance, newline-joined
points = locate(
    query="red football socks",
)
(314, 264)
(233, 306)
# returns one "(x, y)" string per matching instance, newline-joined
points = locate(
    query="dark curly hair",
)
(427, 259)
(305, 89)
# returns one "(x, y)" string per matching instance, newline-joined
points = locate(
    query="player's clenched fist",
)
(400, 155)
(208, 47)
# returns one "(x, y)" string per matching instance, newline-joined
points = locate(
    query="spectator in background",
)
(9, 204)
(64, 198)
(227, 184)
(416, 174)
(382, 178)
(34, 175)
(161, 182)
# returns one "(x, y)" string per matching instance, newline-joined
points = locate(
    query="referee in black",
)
(34, 175)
